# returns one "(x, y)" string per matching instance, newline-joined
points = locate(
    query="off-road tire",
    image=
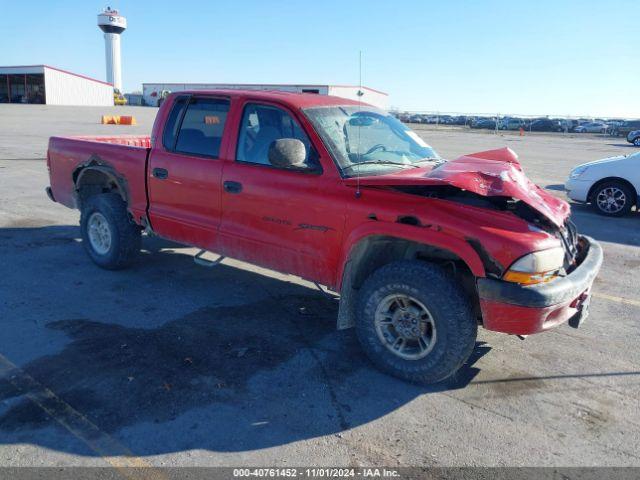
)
(125, 235)
(628, 193)
(455, 324)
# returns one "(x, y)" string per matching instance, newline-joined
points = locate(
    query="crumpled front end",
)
(493, 173)
(538, 270)
(526, 309)
(497, 173)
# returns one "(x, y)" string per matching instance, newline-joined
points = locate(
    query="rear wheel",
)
(414, 322)
(613, 199)
(636, 141)
(110, 238)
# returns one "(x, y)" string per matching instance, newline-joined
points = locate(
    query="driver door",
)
(274, 217)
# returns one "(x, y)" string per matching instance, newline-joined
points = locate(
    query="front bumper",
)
(525, 309)
(578, 190)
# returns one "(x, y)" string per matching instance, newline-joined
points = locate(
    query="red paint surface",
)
(519, 320)
(143, 141)
(307, 224)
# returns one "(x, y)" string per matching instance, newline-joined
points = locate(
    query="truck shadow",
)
(268, 371)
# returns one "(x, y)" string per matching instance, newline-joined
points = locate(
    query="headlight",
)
(536, 267)
(576, 172)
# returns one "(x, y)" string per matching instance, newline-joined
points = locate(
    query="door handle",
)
(160, 173)
(232, 187)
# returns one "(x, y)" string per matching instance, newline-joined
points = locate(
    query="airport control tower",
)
(112, 24)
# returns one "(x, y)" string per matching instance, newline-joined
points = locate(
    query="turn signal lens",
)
(525, 278)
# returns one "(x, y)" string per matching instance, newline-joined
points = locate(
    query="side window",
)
(202, 127)
(173, 122)
(261, 126)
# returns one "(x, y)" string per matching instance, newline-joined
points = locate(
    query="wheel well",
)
(374, 252)
(592, 190)
(94, 181)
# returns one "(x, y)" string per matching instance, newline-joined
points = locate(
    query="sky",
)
(559, 57)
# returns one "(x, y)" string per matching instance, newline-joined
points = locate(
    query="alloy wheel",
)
(611, 200)
(405, 326)
(99, 233)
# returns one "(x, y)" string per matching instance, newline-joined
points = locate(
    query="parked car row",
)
(514, 123)
(432, 119)
(542, 124)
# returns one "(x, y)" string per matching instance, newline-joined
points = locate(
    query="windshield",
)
(368, 141)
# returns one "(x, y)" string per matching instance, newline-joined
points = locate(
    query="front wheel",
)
(613, 199)
(110, 238)
(414, 322)
(636, 141)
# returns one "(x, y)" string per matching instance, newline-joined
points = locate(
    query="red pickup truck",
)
(421, 250)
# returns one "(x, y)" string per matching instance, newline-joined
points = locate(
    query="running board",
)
(207, 263)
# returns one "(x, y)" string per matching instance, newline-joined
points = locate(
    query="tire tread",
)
(461, 325)
(128, 235)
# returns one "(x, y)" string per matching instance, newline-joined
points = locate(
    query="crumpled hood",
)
(493, 173)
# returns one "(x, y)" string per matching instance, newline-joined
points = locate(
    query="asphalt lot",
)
(172, 364)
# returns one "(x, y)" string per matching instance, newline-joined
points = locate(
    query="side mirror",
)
(288, 153)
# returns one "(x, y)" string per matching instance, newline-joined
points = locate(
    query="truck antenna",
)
(360, 93)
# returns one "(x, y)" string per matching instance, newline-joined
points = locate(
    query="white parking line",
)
(103, 444)
(614, 298)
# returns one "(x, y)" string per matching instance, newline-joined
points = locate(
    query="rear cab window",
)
(173, 123)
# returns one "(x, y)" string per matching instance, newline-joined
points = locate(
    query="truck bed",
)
(124, 155)
(143, 141)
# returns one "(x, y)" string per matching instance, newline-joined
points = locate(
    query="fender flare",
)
(95, 164)
(433, 237)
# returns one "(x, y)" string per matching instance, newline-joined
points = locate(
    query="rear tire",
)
(109, 236)
(426, 351)
(612, 199)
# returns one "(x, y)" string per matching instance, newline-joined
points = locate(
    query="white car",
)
(611, 185)
(593, 127)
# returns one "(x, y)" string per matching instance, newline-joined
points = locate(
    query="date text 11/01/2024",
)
(326, 472)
